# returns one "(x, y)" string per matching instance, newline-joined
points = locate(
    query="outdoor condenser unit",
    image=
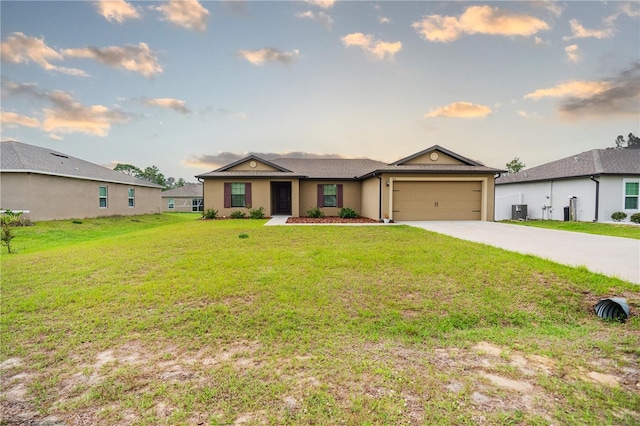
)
(518, 212)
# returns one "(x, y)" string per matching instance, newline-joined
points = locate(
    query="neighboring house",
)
(187, 198)
(585, 187)
(434, 184)
(52, 185)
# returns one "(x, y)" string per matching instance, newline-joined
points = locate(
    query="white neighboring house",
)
(600, 182)
(51, 185)
(187, 198)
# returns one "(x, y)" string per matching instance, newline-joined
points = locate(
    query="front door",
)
(282, 194)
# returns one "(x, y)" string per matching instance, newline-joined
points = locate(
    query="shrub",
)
(210, 214)
(635, 218)
(243, 236)
(347, 213)
(618, 216)
(257, 213)
(8, 220)
(315, 212)
(77, 222)
(238, 214)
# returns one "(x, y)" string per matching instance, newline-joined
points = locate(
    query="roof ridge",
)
(597, 162)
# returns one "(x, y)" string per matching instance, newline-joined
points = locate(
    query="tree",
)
(128, 169)
(515, 165)
(632, 142)
(180, 183)
(152, 174)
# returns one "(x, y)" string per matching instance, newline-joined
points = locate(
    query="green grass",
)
(610, 229)
(180, 321)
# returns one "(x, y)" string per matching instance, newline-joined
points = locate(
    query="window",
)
(237, 195)
(196, 205)
(132, 197)
(631, 190)
(330, 194)
(172, 203)
(102, 195)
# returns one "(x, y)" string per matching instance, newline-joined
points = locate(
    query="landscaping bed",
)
(330, 219)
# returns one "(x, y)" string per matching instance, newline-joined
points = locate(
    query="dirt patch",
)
(329, 220)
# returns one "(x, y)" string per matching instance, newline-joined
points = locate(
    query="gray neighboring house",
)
(51, 185)
(187, 198)
(586, 187)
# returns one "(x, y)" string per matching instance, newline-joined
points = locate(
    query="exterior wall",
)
(612, 196)
(213, 190)
(182, 204)
(371, 198)
(554, 195)
(54, 197)
(426, 159)
(488, 188)
(351, 196)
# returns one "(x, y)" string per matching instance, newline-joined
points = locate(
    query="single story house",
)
(433, 184)
(589, 186)
(187, 198)
(51, 185)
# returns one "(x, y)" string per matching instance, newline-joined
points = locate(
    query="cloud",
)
(11, 119)
(55, 137)
(239, 7)
(268, 54)
(573, 53)
(19, 48)
(137, 58)
(321, 17)
(116, 10)
(478, 20)
(460, 110)
(525, 114)
(383, 20)
(574, 88)
(620, 98)
(188, 14)
(65, 114)
(225, 112)
(615, 96)
(169, 103)
(325, 4)
(378, 48)
(578, 31)
(223, 158)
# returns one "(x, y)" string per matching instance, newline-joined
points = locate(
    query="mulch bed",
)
(330, 219)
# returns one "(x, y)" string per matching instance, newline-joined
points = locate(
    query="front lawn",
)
(186, 321)
(610, 229)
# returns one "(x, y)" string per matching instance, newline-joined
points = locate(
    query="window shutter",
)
(247, 194)
(339, 197)
(227, 195)
(320, 195)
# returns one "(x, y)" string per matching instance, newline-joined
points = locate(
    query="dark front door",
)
(282, 192)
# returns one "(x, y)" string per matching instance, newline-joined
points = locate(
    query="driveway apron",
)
(611, 256)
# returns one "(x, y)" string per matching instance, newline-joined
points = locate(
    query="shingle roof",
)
(329, 168)
(594, 162)
(188, 190)
(21, 157)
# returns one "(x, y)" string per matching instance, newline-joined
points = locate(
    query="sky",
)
(189, 86)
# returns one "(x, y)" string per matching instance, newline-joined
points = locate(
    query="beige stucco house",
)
(51, 185)
(187, 198)
(433, 184)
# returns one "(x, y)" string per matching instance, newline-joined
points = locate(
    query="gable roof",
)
(441, 149)
(188, 190)
(588, 163)
(18, 157)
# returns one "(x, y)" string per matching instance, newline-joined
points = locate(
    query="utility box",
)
(519, 212)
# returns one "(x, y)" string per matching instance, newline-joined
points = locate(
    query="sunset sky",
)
(189, 86)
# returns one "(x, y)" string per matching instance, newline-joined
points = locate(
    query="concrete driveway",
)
(612, 256)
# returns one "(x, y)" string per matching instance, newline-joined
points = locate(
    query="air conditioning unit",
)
(519, 212)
